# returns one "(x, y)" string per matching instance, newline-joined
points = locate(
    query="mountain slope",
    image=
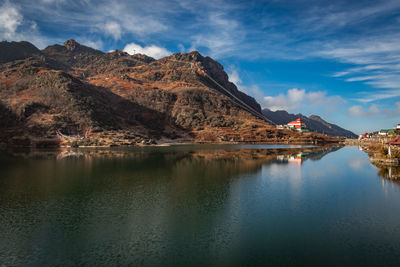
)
(126, 99)
(314, 123)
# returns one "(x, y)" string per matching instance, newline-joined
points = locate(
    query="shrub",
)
(395, 153)
(383, 150)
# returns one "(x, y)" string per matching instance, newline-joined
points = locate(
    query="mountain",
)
(10, 51)
(127, 99)
(314, 123)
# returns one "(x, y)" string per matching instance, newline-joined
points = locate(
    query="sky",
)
(337, 59)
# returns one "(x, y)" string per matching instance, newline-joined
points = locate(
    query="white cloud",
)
(152, 50)
(113, 29)
(15, 27)
(296, 99)
(10, 20)
(234, 77)
(359, 111)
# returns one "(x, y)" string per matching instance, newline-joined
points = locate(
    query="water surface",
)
(198, 205)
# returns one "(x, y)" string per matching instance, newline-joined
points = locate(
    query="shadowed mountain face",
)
(72, 87)
(313, 122)
(10, 51)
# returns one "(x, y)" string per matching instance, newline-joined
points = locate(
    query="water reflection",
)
(152, 206)
(389, 172)
(49, 171)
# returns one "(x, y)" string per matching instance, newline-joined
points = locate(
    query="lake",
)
(197, 205)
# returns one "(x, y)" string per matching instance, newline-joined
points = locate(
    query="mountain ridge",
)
(128, 99)
(313, 122)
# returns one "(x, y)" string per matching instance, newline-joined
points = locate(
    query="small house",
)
(383, 132)
(364, 136)
(297, 125)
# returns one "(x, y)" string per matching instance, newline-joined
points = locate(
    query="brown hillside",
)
(126, 99)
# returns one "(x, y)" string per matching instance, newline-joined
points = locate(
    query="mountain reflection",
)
(94, 168)
(152, 204)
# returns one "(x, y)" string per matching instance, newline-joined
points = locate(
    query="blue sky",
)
(337, 59)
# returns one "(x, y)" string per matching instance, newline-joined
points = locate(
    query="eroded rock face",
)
(133, 98)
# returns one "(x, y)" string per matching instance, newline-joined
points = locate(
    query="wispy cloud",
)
(378, 64)
(112, 28)
(374, 111)
(223, 35)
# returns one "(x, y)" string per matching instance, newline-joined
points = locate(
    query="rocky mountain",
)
(313, 122)
(126, 99)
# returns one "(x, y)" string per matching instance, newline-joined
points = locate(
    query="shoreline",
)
(54, 144)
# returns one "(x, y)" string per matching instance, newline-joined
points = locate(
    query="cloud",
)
(253, 90)
(10, 20)
(374, 110)
(152, 50)
(377, 60)
(362, 34)
(15, 27)
(181, 48)
(113, 29)
(91, 19)
(359, 111)
(296, 99)
(96, 44)
(223, 35)
(234, 77)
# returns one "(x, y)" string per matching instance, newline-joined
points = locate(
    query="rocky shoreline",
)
(385, 161)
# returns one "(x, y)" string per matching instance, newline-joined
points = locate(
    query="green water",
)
(197, 205)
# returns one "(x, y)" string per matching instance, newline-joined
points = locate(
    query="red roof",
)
(395, 141)
(296, 121)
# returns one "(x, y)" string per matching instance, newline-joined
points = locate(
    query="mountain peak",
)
(316, 117)
(71, 44)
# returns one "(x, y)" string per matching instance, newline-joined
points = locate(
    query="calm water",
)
(182, 206)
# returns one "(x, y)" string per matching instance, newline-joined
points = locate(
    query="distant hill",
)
(10, 51)
(314, 123)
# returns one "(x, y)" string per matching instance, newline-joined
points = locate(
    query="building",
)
(384, 132)
(364, 136)
(297, 125)
(397, 126)
(282, 127)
